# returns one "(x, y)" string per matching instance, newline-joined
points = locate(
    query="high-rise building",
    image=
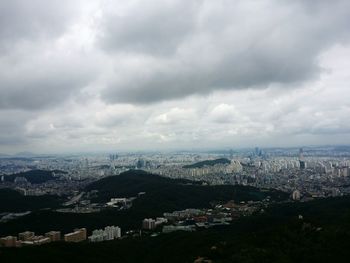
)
(301, 154)
(296, 195)
(109, 233)
(140, 163)
(148, 223)
(302, 165)
(113, 232)
(113, 157)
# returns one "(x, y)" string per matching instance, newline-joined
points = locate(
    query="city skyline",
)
(99, 75)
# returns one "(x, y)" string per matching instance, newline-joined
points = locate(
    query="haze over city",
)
(143, 75)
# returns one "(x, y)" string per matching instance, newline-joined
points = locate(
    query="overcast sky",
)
(86, 75)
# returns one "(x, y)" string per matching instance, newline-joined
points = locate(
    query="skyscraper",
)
(301, 159)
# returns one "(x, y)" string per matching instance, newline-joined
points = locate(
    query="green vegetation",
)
(13, 201)
(208, 163)
(277, 235)
(162, 195)
(165, 194)
(33, 176)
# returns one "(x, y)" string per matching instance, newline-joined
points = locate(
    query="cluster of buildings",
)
(312, 175)
(285, 169)
(109, 233)
(29, 238)
(83, 205)
(220, 215)
(184, 220)
(150, 223)
(193, 219)
(121, 203)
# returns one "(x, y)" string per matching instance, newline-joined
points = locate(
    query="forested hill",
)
(208, 163)
(162, 195)
(34, 176)
(13, 201)
(174, 194)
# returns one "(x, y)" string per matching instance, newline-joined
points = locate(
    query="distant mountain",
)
(208, 163)
(25, 154)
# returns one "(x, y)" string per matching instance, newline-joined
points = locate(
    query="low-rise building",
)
(77, 236)
(9, 241)
(54, 235)
(160, 221)
(36, 240)
(26, 236)
(168, 229)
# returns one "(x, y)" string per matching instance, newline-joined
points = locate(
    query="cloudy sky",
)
(86, 75)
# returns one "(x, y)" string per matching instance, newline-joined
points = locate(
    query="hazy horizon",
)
(203, 150)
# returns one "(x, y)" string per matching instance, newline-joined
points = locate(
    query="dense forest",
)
(278, 235)
(174, 193)
(13, 201)
(34, 176)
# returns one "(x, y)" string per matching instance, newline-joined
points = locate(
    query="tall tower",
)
(301, 159)
(301, 156)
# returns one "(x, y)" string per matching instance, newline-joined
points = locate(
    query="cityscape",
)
(303, 175)
(317, 172)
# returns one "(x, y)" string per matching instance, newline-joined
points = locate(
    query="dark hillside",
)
(278, 235)
(170, 194)
(13, 201)
(162, 195)
(208, 163)
(33, 176)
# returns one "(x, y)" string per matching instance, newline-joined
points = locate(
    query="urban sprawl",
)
(304, 173)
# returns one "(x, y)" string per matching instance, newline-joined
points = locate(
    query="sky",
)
(102, 75)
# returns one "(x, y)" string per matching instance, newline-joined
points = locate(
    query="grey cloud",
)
(154, 27)
(43, 87)
(26, 20)
(37, 70)
(11, 140)
(275, 42)
(252, 71)
(12, 127)
(37, 93)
